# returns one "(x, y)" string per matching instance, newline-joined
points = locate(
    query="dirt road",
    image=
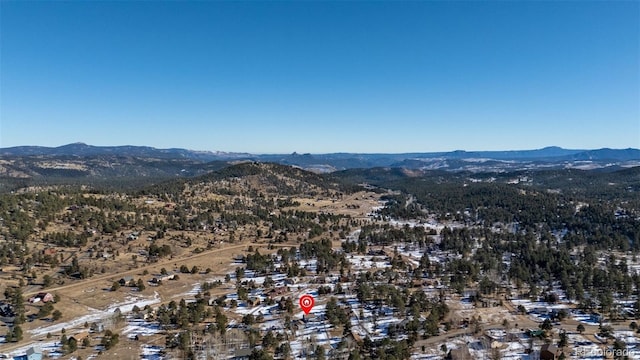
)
(118, 275)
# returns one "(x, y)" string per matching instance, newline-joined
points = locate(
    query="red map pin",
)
(306, 303)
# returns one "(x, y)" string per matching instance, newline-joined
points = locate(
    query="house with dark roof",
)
(549, 352)
(6, 309)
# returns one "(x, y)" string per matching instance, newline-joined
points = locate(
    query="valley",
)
(402, 265)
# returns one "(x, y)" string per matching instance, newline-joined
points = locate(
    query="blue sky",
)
(278, 77)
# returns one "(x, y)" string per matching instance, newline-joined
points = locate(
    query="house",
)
(535, 332)
(6, 310)
(168, 276)
(125, 280)
(461, 353)
(96, 327)
(254, 300)
(79, 337)
(596, 318)
(549, 352)
(6, 313)
(511, 337)
(279, 291)
(49, 251)
(31, 354)
(163, 277)
(44, 297)
(242, 354)
(311, 317)
(430, 282)
(378, 252)
(540, 311)
(351, 339)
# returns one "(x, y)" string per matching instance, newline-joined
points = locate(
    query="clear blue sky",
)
(278, 77)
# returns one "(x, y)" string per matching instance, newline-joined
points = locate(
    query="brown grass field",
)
(79, 297)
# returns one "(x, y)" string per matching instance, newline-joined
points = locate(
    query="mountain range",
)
(134, 166)
(454, 160)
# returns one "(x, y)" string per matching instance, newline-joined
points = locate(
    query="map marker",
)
(306, 303)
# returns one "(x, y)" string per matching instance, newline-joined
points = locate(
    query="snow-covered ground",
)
(365, 262)
(140, 327)
(313, 330)
(134, 327)
(431, 224)
(514, 351)
(151, 352)
(633, 342)
(309, 265)
(539, 310)
(96, 315)
(585, 318)
(51, 348)
(583, 348)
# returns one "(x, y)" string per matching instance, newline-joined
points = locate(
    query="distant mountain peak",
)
(549, 156)
(75, 144)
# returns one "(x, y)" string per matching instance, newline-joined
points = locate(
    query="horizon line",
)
(318, 153)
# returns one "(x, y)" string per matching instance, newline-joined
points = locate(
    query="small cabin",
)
(160, 278)
(79, 337)
(549, 352)
(276, 292)
(44, 297)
